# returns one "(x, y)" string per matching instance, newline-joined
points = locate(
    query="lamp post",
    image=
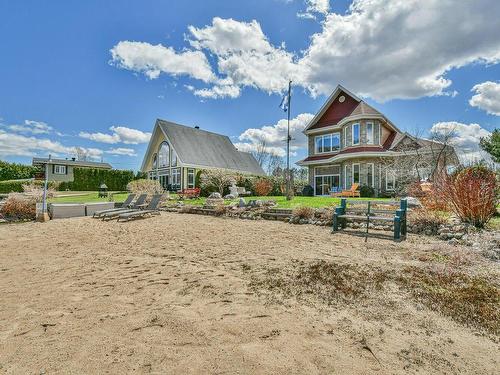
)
(44, 216)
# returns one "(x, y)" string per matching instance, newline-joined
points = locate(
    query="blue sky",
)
(96, 74)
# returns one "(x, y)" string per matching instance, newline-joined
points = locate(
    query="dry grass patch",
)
(324, 281)
(470, 300)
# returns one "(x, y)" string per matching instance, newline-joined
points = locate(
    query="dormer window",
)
(327, 143)
(355, 134)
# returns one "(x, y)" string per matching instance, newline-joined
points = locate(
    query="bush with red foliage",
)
(19, 207)
(263, 186)
(472, 194)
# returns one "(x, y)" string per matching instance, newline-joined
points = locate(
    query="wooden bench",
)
(189, 193)
(397, 216)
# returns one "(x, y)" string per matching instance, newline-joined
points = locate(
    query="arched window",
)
(164, 155)
(155, 157)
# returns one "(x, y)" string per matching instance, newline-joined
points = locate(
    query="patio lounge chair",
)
(125, 204)
(352, 192)
(151, 209)
(139, 203)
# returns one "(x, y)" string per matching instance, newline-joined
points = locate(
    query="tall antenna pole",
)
(288, 188)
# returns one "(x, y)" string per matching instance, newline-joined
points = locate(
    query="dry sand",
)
(173, 294)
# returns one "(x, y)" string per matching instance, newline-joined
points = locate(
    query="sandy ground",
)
(173, 295)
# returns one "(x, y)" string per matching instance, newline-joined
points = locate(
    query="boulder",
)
(215, 195)
(242, 203)
(413, 202)
(229, 196)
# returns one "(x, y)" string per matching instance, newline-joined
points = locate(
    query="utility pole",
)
(288, 187)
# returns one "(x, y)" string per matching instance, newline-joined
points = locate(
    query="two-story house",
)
(351, 142)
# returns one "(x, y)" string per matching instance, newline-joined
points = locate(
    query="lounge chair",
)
(125, 204)
(352, 192)
(139, 203)
(151, 209)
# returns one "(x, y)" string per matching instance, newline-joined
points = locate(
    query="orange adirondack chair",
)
(352, 192)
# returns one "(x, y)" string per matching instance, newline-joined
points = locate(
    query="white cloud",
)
(30, 126)
(487, 97)
(383, 49)
(401, 49)
(466, 138)
(274, 136)
(12, 144)
(315, 7)
(120, 134)
(155, 59)
(122, 151)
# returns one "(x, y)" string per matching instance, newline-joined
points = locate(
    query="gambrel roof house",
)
(176, 152)
(350, 142)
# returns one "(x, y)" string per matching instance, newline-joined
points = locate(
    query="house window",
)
(390, 179)
(355, 173)
(190, 178)
(327, 143)
(164, 155)
(326, 179)
(155, 161)
(369, 133)
(370, 175)
(174, 159)
(59, 169)
(345, 136)
(345, 176)
(176, 179)
(355, 134)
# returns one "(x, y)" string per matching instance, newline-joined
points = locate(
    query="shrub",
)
(424, 220)
(308, 191)
(263, 186)
(366, 191)
(472, 193)
(13, 171)
(303, 212)
(19, 207)
(145, 187)
(35, 190)
(17, 185)
(216, 180)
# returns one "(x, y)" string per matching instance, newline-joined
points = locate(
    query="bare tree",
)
(82, 154)
(275, 165)
(261, 153)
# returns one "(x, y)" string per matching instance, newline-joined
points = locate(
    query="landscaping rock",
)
(242, 203)
(229, 196)
(413, 202)
(215, 195)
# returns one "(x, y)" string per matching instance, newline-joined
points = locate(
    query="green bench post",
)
(400, 220)
(339, 211)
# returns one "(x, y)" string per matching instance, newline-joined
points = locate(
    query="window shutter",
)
(53, 168)
(66, 169)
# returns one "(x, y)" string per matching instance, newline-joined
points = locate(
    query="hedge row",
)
(89, 179)
(16, 186)
(13, 171)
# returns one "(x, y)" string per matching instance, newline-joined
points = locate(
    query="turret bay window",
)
(369, 133)
(355, 134)
(370, 175)
(164, 155)
(355, 173)
(327, 143)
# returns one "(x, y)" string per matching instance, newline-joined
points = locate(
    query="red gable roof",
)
(337, 111)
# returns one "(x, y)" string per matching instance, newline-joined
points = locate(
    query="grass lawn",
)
(87, 198)
(315, 202)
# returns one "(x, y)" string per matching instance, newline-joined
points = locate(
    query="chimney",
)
(73, 159)
(196, 127)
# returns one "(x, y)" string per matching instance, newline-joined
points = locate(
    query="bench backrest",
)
(399, 207)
